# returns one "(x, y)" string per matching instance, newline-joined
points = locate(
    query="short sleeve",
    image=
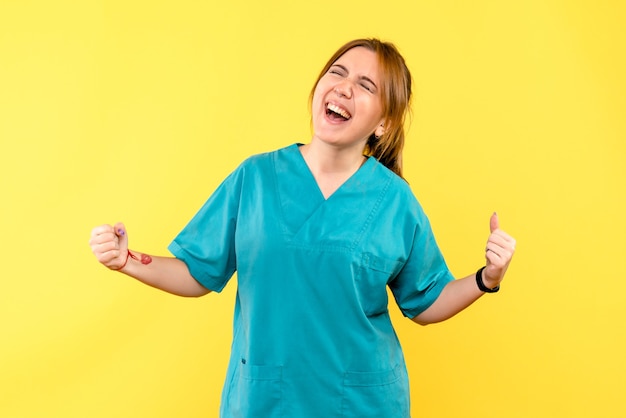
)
(207, 243)
(424, 275)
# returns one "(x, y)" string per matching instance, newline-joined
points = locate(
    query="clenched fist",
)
(110, 245)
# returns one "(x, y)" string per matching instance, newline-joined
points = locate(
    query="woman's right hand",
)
(110, 245)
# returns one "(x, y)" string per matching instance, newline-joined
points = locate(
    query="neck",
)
(328, 159)
(330, 166)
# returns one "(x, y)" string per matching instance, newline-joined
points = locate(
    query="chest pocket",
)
(372, 277)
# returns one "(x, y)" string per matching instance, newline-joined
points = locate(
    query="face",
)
(346, 106)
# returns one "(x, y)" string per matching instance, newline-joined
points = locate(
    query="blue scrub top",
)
(312, 334)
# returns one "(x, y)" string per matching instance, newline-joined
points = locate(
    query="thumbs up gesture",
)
(498, 253)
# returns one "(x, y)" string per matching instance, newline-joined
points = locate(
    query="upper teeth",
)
(338, 110)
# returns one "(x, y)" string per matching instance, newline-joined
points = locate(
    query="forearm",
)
(455, 296)
(165, 273)
(459, 294)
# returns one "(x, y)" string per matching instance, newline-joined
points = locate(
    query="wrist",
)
(124, 264)
(485, 285)
(143, 259)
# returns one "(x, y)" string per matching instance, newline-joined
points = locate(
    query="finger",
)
(499, 240)
(498, 256)
(503, 235)
(104, 237)
(120, 231)
(107, 257)
(494, 222)
(492, 257)
(500, 246)
(107, 246)
(501, 243)
(102, 229)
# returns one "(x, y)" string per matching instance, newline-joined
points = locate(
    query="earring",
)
(382, 126)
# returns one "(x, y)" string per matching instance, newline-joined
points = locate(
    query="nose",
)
(343, 90)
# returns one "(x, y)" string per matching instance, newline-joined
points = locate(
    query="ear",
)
(380, 130)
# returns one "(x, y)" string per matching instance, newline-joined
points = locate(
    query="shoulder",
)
(262, 160)
(258, 169)
(397, 186)
(400, 193)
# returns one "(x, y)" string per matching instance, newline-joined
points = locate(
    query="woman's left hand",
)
(498, 253)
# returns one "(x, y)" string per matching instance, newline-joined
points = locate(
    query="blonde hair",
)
(395, 93)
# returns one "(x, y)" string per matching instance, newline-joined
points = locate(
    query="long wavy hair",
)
(395, 92)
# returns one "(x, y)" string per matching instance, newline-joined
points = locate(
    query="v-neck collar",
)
(337, 222)
(302, 165)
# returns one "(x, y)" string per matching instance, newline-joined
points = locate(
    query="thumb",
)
(120, 231)
(494, 222)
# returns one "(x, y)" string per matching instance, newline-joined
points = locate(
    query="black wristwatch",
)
(481, 285)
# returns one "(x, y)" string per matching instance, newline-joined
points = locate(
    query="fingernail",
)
(120, 232)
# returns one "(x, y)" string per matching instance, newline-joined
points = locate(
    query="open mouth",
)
(337, 113)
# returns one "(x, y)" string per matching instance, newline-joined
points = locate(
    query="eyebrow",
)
(363, 77)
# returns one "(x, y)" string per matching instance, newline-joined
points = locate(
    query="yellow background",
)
(135, 111)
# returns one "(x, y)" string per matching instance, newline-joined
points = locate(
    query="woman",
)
(316, 233)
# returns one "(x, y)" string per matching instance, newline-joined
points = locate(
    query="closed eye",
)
(369, 84)
(337, 70)
(367, 87)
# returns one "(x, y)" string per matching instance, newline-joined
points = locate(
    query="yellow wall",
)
(135, 111)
